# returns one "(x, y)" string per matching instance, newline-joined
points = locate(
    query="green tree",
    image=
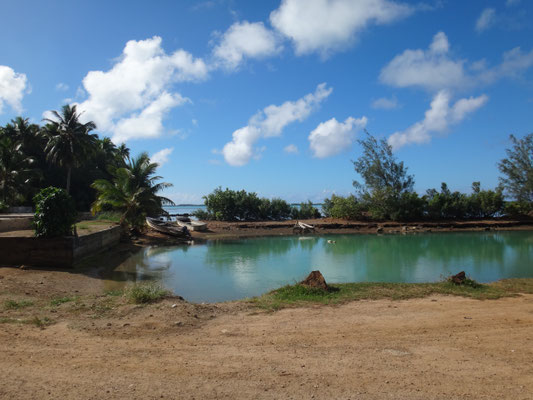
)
(55, 213)
(133, 192)
(386, 182)
(16, 171)
(69, 141)
(517, 169)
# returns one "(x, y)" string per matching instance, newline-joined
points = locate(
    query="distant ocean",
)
(190, 208)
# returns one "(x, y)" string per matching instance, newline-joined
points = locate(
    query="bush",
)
(343, 207)
(484, 203)
(55, 213)
(231, 205)
(147, 293)
(517, 208)
(305, 211)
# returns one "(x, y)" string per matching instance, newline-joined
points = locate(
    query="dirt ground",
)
(98, 346)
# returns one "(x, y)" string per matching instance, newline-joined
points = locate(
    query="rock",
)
(379, 230)
(174, 305)
(459, 278)
(315, 280)
(178, 323)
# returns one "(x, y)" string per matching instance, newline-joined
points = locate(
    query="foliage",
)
(232, 205)
(132, 192)
(305, 211)
(147, 293)
(69, 141)
(517, 169)
(15, 305)
(55, 213)
(386, 182)
(343, 207)
(446, 204)
(517, 208)
(485, 203)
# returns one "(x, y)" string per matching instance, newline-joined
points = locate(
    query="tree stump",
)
(315, 280)
(459, 278)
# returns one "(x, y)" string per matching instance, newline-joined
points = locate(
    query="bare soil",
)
(96, 346)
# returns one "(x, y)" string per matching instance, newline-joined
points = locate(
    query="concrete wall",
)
(10, 223)
(57, 252)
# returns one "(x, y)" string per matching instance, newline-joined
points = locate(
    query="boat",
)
(167, 228)
(193, 225)
(183, 218)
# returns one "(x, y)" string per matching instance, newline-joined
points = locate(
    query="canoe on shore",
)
(167, 228)
(193, 225)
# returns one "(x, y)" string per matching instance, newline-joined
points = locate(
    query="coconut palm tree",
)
(16, 171)
(69, 141)
(132, 192)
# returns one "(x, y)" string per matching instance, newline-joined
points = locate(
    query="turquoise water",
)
(229, 270)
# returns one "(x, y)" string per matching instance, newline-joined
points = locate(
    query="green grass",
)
(109, 216)
(40, 323)
(61, 300)
(145, 293)
(15, 305)
(298, 295)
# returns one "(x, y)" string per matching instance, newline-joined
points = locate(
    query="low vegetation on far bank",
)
(299, 295)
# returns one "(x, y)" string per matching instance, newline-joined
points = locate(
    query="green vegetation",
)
(343, 207)
(298, 295)
(55, 213)
(133, 192)
(517, 169)
(145, 293)
(15, 305)
(61, 300)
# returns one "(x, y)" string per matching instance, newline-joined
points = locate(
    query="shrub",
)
(305, 211)
(343, 207)
(517, 208)
(484, 203)
(55, 213)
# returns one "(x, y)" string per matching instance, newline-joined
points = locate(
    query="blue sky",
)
(271, 96)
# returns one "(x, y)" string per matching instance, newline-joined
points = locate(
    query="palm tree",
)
(133, 192)
(69, 141)
(16, 171)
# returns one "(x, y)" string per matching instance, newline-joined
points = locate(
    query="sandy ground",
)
(100, 347)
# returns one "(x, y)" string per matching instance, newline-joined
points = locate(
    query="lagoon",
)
(235, 269)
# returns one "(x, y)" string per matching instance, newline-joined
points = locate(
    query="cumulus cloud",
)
(161, 157)
(486, 19)
(269, 123)
(136, 91)
(13, 86)
(385, 103)
(325, 26)
(245, 40)
(291, 149)
(332, 137)
(434, 69)
(437, 119)
(431, 69)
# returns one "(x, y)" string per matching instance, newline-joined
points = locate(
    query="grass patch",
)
(298, 295)
(15, 305)
(61, 300)
(145, 293)
(82, 226)
(114, 293)
(40, 323)
(111, 216)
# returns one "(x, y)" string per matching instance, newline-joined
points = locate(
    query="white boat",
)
(193, 225)
(166, 227)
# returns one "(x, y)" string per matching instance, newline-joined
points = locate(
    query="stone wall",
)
(19, 223)
(57, 252)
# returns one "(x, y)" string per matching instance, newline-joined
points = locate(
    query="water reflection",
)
(223, 270)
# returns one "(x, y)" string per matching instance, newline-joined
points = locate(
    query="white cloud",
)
(332, 137)
(325, 26)
(137, 89)
(13, 86)
(385, 103)
(434, 69)
(244, 39)
(291, 149)
(269, 123)
(486, 19)
(161, 157)
(437, 119)
(510, 3)
(62, 87)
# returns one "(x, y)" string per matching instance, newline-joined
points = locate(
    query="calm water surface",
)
(229, 270)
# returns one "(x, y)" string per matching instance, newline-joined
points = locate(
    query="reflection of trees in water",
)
(227, 254)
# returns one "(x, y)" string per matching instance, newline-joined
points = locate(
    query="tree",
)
(69, 141)
(386, 182)
(133, 192)
(16, 171)
(517, 169)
